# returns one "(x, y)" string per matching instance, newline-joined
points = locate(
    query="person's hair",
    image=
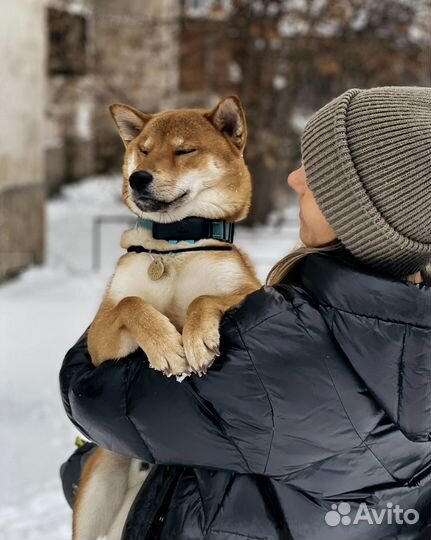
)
(286, 266)
(283, 268)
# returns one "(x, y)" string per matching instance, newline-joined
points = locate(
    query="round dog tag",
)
(156, 269)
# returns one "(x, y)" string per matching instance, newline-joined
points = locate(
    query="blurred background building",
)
(64, 61)
(22, 161)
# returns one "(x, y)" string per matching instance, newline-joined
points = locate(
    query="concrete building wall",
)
(135, 62)
(69, 137)
(127, 52)
(22, 99)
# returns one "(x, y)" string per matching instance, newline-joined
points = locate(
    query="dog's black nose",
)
(140, 180)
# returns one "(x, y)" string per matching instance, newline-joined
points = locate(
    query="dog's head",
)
(185, 162)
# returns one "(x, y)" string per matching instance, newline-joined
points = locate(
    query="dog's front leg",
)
(201, 335)
(119, 328)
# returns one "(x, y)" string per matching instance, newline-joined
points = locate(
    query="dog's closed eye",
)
(185, 151)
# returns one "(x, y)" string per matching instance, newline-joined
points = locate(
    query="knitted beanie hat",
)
(367, 157)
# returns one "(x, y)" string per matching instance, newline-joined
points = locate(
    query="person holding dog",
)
(315, 421)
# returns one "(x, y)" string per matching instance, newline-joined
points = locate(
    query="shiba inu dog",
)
(185, 179)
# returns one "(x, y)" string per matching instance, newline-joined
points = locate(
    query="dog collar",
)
(190, 229)
(141, 249)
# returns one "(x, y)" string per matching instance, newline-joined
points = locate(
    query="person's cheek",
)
(306, 208)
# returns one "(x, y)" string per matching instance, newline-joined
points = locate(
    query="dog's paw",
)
(201, 343)
(164, 349)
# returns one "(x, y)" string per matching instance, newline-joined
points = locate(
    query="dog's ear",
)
(130, 121)
(229, 118)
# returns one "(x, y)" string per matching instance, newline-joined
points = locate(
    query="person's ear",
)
(129, 121)
(229, 118)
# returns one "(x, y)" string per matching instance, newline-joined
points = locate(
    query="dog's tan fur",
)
(108, 486)
(175, 319)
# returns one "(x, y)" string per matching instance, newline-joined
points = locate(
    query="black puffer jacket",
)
(322, 395)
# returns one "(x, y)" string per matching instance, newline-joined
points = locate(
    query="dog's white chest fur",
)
(186, 276)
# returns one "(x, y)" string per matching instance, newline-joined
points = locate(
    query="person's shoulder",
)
(264, 304)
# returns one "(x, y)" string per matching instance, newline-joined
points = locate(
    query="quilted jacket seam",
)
(219, 420)
(260, 321)
(266, 393)
(403, 323)
(245, 330)
(246, 536)
(400, 378)
(126, 384)
(362, 439)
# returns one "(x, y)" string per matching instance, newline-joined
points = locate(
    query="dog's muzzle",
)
(142, 186)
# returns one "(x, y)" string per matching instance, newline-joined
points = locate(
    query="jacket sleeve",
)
(223, 420)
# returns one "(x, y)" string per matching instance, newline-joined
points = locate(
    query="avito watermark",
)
(341, 515)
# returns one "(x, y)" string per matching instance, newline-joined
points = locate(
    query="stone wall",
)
(22, 173)
(22, 228)
(100, 52)
(136, 62)
(69, 134)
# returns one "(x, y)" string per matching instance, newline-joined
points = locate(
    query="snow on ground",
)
(42, 314)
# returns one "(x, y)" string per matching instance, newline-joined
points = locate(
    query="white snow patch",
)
(235, 72)
(292, 26)
(203, 8)
(299, 120)
(279, 82)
